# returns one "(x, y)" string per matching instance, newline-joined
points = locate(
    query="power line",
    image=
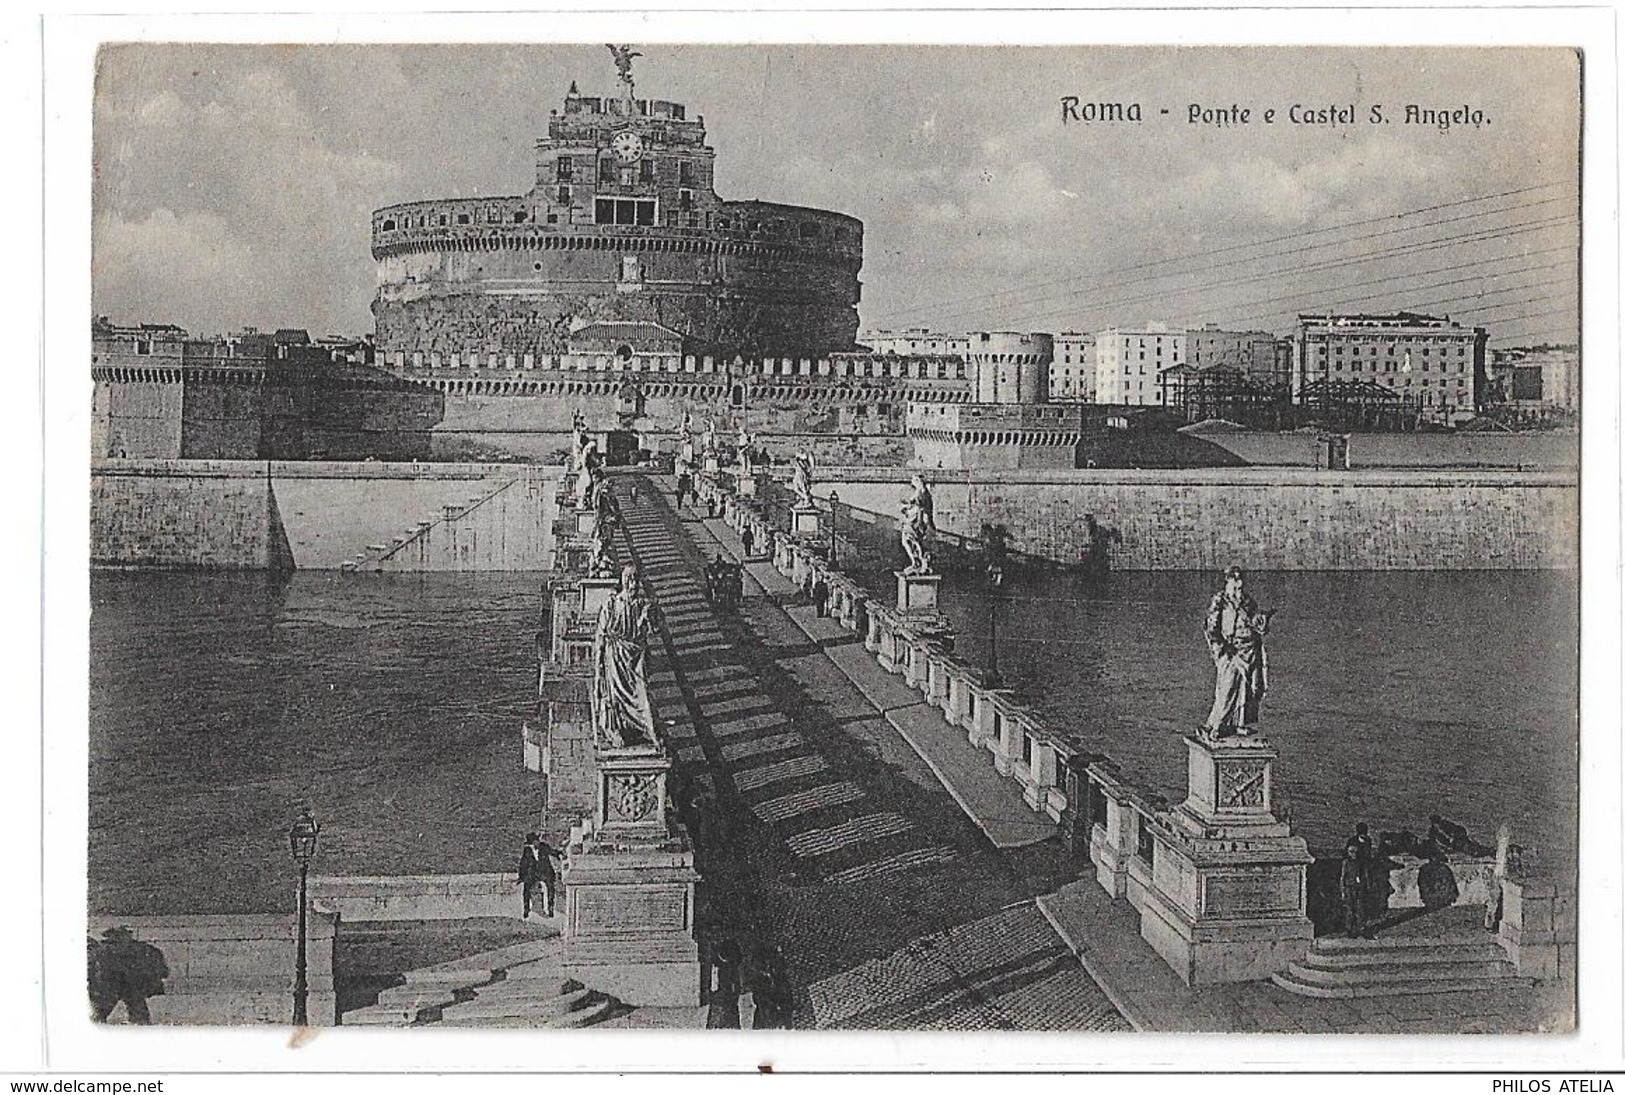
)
(1411, 304)
(1209, 252)
(1566, 313)
(1390, 281)
(1312, 247)
(1275, 255)
(1416, 247)
(1419, 247)
(1514, 289)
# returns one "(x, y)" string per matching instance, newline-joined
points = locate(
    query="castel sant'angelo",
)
(621, 227)
(623, 289)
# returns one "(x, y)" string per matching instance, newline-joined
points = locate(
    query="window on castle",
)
(552, 218)
(564, 195)
(646, 171)
(631, 211)
(389, 226)
(462, 218)
(566, 169)
(606, 170)
(442, 220)
(685, 173)
(519, 216)
(685, 199)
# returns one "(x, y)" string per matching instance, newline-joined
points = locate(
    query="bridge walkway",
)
(823, 833)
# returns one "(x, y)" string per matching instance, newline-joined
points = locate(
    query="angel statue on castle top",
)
(623, 64)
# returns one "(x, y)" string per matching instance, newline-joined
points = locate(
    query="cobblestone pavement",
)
(819, 830)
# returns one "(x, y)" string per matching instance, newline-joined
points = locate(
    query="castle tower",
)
(1007, 367)
(1010, 423)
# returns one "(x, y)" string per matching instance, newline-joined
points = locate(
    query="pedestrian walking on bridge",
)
(1354, 882)
(536, 869)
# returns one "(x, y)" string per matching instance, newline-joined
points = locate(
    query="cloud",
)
(246, 175)
(191, 269)
(1374, 176)
(1012, 196)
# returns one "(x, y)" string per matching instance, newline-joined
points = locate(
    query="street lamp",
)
(302, 844)
(834, 529)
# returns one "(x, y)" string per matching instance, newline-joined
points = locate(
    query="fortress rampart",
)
(753, 229)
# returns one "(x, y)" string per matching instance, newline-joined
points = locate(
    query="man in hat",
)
(1354, 882)
(124, 970)
(536, 869)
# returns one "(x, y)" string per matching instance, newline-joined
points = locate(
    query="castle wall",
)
(526, 301)
(222, 421)
(139, 420)
(1267, 518)
(242, 414)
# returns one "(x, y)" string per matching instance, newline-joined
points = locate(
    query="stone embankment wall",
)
(1268, 518)
(355, 898)
(282, 515)
(229, 970)
(1555, 450)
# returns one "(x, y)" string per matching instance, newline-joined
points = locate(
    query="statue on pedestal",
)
(602, 565)
(1235, 630)
(622, 715)
(586, 472)
(918, 519)
(578, 426)
(598, 499)
(685, 448)
(742, 450)
(802, 483)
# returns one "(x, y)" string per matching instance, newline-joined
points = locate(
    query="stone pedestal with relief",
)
(804, 520)
(1228, 893)
(629, 883)
(917, 594)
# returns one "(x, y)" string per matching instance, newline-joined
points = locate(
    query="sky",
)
(234, 184)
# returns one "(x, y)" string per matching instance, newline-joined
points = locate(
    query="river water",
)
(1393, 695)
(219, 702)
(393, 704)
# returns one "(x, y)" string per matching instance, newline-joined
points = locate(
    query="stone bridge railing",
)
(1101, 812)
(1055, 770)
